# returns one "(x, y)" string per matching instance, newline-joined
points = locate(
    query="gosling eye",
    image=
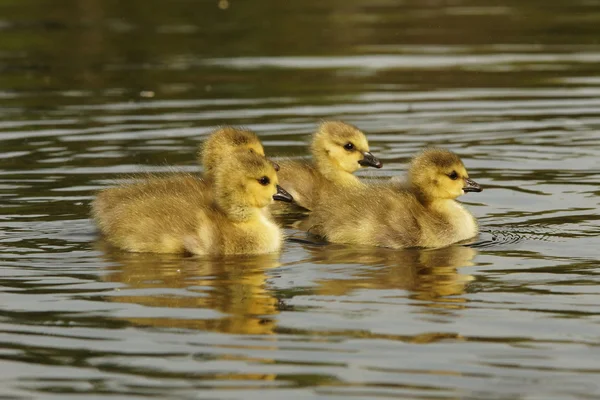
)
(349, 146)
(264, 180)
(453, 175)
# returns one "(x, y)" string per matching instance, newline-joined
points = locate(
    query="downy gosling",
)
(218, 146)
(338, 149)
(423, 213)
(162, 217)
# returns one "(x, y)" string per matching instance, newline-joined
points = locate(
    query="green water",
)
(91, 90)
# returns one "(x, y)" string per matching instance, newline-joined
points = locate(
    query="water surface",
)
(94, 90)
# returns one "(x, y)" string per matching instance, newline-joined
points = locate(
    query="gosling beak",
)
(370, 160)
(275, 165)
(471, 186)
(282, 195)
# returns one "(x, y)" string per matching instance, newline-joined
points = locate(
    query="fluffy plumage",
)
(338, 150)
(177, 214)
(222, 142)
(421, 213)
(218, 146)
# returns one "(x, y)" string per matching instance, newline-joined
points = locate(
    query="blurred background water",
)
(91, 90)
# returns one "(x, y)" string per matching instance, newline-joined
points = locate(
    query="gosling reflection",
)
(430, 273)
(233, 286)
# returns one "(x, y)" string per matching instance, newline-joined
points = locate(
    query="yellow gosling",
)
(339, 149)
(217, 147)
(161, 215)
(424, 213)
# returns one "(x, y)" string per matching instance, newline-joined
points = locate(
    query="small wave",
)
(488, 238)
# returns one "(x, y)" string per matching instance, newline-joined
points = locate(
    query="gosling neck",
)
(332, 171)
(421, 196)
(442, 206)
(237, 212)
(429, 201)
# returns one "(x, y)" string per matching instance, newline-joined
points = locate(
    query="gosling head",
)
(222, 142)
(246, 181)
(440, 174)
(344, 146)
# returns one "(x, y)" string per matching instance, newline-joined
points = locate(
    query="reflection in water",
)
(237, 287)
(234, 286)
(431, 274)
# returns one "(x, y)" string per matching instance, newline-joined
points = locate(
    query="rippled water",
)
(92, 90)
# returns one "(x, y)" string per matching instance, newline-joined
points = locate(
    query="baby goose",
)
(159, 216)
(338, 150)
(424, 214)
(218, 146)
(222, 142)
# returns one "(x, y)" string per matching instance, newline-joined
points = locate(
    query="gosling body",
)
(422, 212)
(162, 215)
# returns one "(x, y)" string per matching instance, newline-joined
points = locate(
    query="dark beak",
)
(275, 165)
(370, 160)
(471, 186)
(282, 195)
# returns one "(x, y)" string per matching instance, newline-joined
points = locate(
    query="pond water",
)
(91, 90)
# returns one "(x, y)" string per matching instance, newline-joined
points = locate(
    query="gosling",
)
(422, 213)
(160, 216)
(218, 146)
(338, 149)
